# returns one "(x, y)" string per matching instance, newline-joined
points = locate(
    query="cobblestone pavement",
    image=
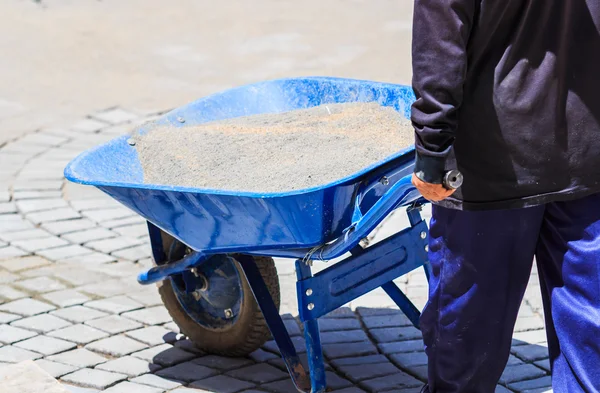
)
(69, 256)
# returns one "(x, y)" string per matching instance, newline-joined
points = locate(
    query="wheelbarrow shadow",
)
(366, 349)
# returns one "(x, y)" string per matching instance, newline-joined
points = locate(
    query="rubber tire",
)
(249, 332)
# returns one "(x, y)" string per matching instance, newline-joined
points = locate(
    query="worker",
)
(507, 93)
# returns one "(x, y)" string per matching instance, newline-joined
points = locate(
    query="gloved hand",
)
(431, 192)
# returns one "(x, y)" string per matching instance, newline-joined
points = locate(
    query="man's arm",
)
(441, 31)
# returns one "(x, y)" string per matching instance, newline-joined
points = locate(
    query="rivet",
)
(309, 292)
(385, 181)
(196, 295)
(181, 119)
(228, 313)
(426, 248)
(131, 142)
(423, 235)
(310, 306)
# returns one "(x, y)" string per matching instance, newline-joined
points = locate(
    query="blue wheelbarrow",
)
(213, 250)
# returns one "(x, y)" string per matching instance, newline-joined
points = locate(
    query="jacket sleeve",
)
(441, 31)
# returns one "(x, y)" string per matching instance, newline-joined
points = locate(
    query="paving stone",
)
(88, 259)
(120, 222)
(544, 364)
(156, 381)
(298, 342)
(530, 352)
(46, 345)
(42, 323)
(40, 138)
(20, 264)
(261, 356)
(7, 317)
(78, 389)
(38, 244)
(398, 380)
(64, 252)
(538, 383)
(11, 334)
(89, 235)
(93, 378)
(530, 337)
(35, 233)
(402, 346)
(21, 195)
(40, 285)
(115, 116)
(357, 390)
(116, 346)
(150, 316)
(112, 213)
(115, 305)
(223, 384)
(258, 373)
(188, 345)
(222, 363)
(148, 296)
(94, 203)
(136, 230)
(12, 252)
(359, 360)
(153, 335)
(333, 351)
(38, 185)
(78, 314)
(66, 298)
(113, 244)
(129, 387)
(519, 373)
(395, 334)
(9, 293)
(344, 336)
(513, 361)
(187, 372)
(336, 382)
(12, 354)
(14, 223)
(107, 288)
(114, 324)
(172, 326)
(368, 371)
(386, 321)
(187, 390)
(76, 275)
(61, 214)
(337, 324)
(68, 226)
(502, 389)
(79, 358)
(6, 277)
(406, 360)
(164, 355)
(134, 253)
(129, 365)
(529, 323)
(7, 208)
(80, 334)
(89, 126)
(56, 370)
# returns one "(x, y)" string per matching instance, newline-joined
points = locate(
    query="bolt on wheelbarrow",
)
(213, 249)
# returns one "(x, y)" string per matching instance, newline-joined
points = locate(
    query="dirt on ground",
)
(274, 152)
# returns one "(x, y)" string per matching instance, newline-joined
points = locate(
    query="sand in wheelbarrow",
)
(274, 152)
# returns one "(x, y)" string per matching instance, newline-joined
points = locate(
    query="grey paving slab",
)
(12, 354)
(406, 333)
(396, 381)
(7, 317)
(40, 138)
(402, 346)
(56, 370)
(116, 346)
(14, 223)
(222, 384)
(113, 244)
(23, 235)
(109, 288)
(38, 244)
(88, 235)
(188, 346)
(78, 275)
(64, 252)
(79, 358)
(530, 352)
(519, 373)
(88, 125)
(538, 383)
(46, 345)
(130, 387)
(344, 336)
(7, 277)
(41, 285)
(336, 324)
(149, 316)
(115, 116)
(187, 372)
(153, 335)
(543, 364)
(78, 389)
(135, 230)
(360, 360)
(147, 296)
(258, 373)
(20, 264)
(114, 324)
(22, 195)
(406, 360)
(11, 252)
(65, 298)
(121, 222)
(298, 343)
(68, 226)
(383, 321)
(222, 363)
(261, 356)
(60, 214)
(7, 207)
(87, 259)
(9, 293)
(333, 351)
(78, 314)
(112, 213)
(38, 185)
(11, 334)
(530, 337)
(94, 203)
(156, 381)
(115, 305)
(80, 334)
(93, 378)
(134, 253)
(513, 361)
(27, 307)
(42, 323)
(129, 365)
(368, 371)
(529, 323)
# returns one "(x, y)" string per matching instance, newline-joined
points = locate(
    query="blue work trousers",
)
(481, 263)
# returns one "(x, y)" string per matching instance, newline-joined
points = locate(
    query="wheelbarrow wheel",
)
(230, 323)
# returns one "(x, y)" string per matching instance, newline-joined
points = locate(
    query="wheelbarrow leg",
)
(280, 334)
(312, 337)
(407, 307)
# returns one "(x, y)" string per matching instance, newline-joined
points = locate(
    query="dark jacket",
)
(508, 93)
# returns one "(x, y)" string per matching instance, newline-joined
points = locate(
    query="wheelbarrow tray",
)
(232, 221)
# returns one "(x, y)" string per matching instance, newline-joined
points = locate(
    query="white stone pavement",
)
(69, 300)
